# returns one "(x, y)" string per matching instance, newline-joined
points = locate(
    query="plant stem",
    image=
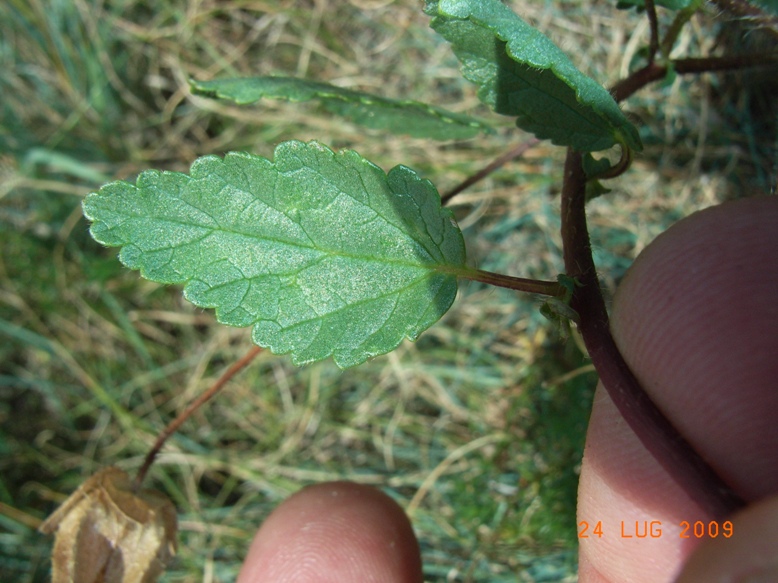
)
(498, 162)
(619, 168)
(173, 426)
(653, 429)
(681, 18)
(533, 286)
(653, 72)
(653, 21)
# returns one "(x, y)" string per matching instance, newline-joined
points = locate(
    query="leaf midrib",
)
(431, 266)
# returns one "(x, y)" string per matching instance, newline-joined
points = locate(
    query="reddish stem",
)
(653, 429)
(654, 72)
(522, 284)
(173, 426)
(498, 162)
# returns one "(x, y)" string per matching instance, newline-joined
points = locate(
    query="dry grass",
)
(476, 428)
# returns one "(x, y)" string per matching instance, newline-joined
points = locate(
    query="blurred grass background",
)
(478, 426)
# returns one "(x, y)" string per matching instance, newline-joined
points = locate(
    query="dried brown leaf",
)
(106, 533)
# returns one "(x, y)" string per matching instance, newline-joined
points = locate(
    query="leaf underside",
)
(400, 117)
(322, 252)
(521, 73)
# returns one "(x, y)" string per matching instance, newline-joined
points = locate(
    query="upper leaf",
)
(322, 252)
(402, 117)
(520, 72)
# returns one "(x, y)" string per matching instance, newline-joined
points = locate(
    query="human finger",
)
(695, 318)
(337, 532)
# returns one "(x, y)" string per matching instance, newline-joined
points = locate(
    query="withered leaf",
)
(106, 533)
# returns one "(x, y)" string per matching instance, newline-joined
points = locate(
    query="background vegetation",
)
(477, 428)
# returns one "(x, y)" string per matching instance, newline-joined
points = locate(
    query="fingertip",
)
(340, 532)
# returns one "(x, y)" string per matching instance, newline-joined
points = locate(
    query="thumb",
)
(750, 555)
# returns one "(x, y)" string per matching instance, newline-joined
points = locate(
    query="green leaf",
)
(401, 117)
(594, 167)
(521, 73)
(322, 252)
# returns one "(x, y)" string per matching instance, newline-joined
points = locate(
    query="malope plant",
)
(325, 255)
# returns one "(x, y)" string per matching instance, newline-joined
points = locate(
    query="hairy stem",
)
(173, 426)
(653, 429)
(653, 72)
